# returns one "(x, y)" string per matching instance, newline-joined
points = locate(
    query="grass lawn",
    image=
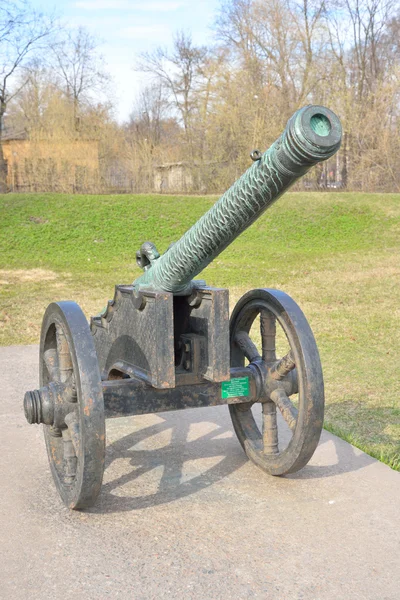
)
(337, 254)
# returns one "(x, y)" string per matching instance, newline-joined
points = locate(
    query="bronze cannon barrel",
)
(312, 134)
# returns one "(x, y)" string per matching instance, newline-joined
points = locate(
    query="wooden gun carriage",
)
(166, 342)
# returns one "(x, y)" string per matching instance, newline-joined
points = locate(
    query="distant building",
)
(50, 165)
(173, 177)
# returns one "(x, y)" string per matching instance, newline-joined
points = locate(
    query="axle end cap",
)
(33, 407)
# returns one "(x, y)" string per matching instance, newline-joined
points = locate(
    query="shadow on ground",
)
(168, 476)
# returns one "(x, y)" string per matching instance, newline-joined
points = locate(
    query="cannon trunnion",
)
(166, 342)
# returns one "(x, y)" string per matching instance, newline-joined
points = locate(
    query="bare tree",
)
(80, 69)
(24, 32)
(235, 29)
(389, 47)
(278, 42)
(180, 72)
(357, 31)
(149, 114)
(40, 109)
(362, 68)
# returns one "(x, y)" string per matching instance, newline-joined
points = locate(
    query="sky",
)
(128, 27)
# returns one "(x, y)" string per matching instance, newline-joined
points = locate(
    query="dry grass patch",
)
(13, 276)
(23, 301)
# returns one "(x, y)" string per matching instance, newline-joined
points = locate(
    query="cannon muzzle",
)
(312, 134)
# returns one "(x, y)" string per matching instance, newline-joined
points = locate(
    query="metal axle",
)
(127, 397)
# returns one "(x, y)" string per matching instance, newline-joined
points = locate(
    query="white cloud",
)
(166, 6)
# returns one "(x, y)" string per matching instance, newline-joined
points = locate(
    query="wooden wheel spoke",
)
(269, 429)
(70, 458)
(249, 349)
(50, 358)
(268, 335)
(64, 356)
(70, 392)
(72, 421)
(281, 368)
(288, 410)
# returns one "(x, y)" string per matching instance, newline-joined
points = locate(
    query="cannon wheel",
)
(76, 450)
(276, 310)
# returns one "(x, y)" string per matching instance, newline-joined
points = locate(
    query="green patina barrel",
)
(312, 134)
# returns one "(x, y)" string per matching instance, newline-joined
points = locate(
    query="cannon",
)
(166, 342)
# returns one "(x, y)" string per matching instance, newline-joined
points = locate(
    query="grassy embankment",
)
(338, 255)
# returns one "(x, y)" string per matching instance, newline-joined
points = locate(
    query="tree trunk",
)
(344, 173)
(3, 162)
(3, 172)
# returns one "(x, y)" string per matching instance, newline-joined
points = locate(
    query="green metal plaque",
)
(234, 388)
